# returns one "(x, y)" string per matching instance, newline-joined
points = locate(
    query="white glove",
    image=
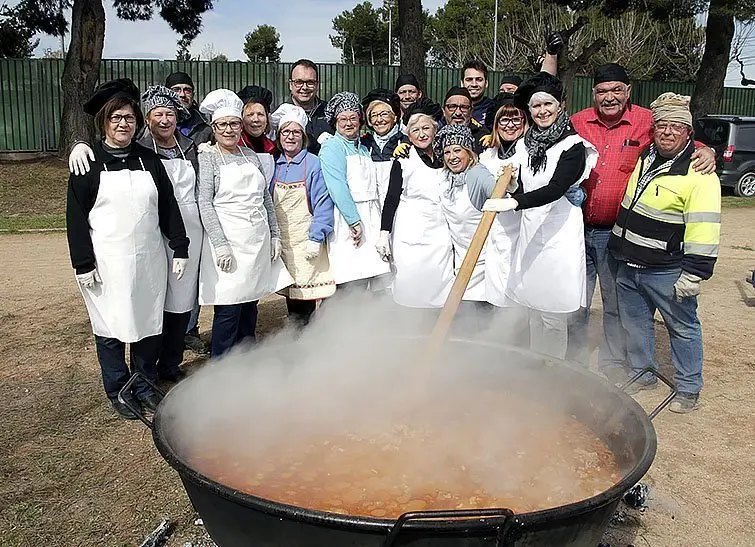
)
(313, 250)
(224, 258)
(500, 205)
(79, 158)
(89, 279)
(179, 267)
(687, 285)
(514, 182)
(275, 248)
(356, 233)
(383, 245)
(324, 136)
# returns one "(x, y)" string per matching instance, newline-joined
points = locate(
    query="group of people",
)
(178, 205)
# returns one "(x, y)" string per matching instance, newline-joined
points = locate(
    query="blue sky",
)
(304, 26)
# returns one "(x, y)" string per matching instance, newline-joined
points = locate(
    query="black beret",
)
(511, 79)
(539, 82)
(610, 72)
(496, 103)
(177, 78)
(458, 90)
(122, 87)
(423, 105)
(257, 94)
(385, 95)
(406, 79)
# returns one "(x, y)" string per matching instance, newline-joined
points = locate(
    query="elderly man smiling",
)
(666, 242)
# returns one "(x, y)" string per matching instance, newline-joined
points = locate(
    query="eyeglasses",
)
(384, 115)
(516, 122)
(354, 120)
(183, 89)
(115, 119)
(674, 128)
(453, 107)
(222, 126)
(286, 133)
(301, 83)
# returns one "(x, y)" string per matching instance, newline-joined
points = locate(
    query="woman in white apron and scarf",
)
(548, 276)
(305, 215)
(241, 250)
(116, 217)
(414, 232)
(163, 110)
(350, 178)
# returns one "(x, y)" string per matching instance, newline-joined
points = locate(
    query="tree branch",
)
(589, 51)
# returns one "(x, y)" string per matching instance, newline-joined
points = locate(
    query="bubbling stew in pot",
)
(488, 450)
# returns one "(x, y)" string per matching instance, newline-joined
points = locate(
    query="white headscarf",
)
(220, 103)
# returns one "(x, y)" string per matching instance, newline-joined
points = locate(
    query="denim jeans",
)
(111, 353)
(601, 266)
(172, 345)
(193, 326)
(232, 324)
(641, 292)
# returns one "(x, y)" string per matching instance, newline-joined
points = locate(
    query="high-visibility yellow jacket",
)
(674, 221)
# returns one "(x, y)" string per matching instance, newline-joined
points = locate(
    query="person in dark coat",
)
(304, 85)
(195, 127)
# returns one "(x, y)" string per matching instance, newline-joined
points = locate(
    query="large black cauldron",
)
(235, 519)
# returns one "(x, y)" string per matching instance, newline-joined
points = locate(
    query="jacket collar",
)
(184, 142)
(296, 160)
(106, 157)
(681, 164)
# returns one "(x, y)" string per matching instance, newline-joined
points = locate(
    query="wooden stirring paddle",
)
(442, 326)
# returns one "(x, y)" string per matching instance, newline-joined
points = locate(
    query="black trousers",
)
(111, 354)
(231, 324)
(300, 311)
(172, 346)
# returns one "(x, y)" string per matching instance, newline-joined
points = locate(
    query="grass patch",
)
(737, 202)
(743, 247)
(33, 188)
(24, 222)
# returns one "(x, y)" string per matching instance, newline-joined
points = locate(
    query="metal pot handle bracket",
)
(663, 379)
(502, 530)
(126, 401)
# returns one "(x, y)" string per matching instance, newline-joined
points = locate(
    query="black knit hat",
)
(423, 105)
(406, 79)
(539, 82)
(257, 94)
(511, 79)
(458, 90)
(502, 99)
(384, 95)
(610, 72)
(178, 78)
(122, 87)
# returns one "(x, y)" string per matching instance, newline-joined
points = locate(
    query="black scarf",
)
(537, 140)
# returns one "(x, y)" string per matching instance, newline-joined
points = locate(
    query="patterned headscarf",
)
(343, 102)
(157, 96)
(452, 134)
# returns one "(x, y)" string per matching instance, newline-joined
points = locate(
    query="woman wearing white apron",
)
(242, 241)
(163, 110)
(350, 179)
(305, 215)
(413, 217)
(115, 214)
(549, 262)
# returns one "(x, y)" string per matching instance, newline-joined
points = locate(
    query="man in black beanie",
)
(196, 127)
(407, 88)
(457, 110)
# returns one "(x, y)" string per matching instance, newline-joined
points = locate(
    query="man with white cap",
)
(666, 242)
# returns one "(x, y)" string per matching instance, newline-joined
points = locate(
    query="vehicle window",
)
(712, 132)
(745, 138)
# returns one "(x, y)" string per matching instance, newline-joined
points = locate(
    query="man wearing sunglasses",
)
(195, 127)
(304, 85)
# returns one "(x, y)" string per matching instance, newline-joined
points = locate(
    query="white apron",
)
(463, 218)
(128, 247)
(239, 204)
(182, 293)
(383, 175)
(549, 271)
(422, 251)
(349, 263)
(504, 234)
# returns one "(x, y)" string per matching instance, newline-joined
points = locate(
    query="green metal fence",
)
(31, 99)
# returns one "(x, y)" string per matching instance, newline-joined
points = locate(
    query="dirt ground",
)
(71, 473)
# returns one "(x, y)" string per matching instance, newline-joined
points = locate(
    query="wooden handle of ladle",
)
(443, 325)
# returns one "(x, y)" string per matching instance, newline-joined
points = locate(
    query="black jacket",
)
(196, 127)
(316, 126)
(387, 153)
(82, 194)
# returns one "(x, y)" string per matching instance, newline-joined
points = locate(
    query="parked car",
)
(733, 139)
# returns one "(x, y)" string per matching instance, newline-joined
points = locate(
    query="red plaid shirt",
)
(619, 148)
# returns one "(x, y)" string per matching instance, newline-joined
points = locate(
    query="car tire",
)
(745, 186)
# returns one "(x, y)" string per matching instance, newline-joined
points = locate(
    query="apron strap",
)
(217, 147)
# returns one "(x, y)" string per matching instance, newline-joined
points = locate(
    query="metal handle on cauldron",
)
(663, 379)
(127, 401)
(502, 533)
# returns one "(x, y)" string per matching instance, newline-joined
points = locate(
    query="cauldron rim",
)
(372, 524)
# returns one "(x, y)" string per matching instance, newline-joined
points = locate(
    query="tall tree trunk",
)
(709, 86)
(81, 70)
(411, 43)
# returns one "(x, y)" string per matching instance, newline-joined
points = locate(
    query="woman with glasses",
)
(382, 109)
(350, 178)
(305, 215)
(242, 237)
(116, 216)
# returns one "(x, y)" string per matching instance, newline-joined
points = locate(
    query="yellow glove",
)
(486, 140)
(402, 150)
